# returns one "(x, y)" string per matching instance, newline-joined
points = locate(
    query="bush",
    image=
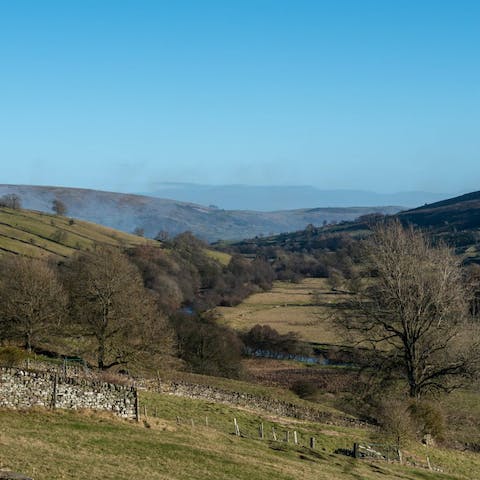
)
(263, 340)
(12, 356)
(396, 425)
(428, 419)
(304, 389)
(206, 347)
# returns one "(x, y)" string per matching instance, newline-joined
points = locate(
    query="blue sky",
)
(379, 95)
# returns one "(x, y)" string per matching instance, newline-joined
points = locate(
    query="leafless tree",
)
(111, 307)
(32, 301)
(414, 311)
(11, 200)
(59, 207)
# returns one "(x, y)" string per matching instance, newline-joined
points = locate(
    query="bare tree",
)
(414, 310)
(162, 236)
(111, 307)
(139, 231)
(59, 207)
(32, 301)
(11, 200)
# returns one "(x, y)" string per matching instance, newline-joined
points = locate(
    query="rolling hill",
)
(40, 235)
(128, 212)
(455, 221)
(460, 213)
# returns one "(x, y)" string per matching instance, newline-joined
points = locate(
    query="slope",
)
(128, 212)
(57, 445)
(460, 213)
(39, 235)
(455, 221)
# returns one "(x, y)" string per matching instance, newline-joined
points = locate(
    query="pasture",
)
(306, 308)
(40, 235)
(59, 445)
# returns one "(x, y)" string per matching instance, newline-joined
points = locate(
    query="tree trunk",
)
(28, 342)
(101, 355)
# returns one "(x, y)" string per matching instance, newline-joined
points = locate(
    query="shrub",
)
(428, 419)
(12, 356)
(206, 347)
(396, 425)
(304, 389)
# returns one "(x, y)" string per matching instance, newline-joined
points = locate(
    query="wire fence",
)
(285, 437)
(268, 431)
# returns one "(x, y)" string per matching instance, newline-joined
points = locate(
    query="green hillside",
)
(177, 444)
(455, 222)
(39, 235)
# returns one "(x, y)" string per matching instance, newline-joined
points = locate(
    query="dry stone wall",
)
(21, 388)
(255, 402)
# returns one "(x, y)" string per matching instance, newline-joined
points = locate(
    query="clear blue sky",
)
(380, 95)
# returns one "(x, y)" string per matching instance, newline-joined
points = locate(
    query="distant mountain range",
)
(128, 212)
(271, 198)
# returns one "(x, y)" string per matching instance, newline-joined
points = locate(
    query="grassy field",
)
(67, 445)
(306, 308)
(40, 235)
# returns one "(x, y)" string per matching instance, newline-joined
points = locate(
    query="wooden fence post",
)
(287, 436)
(356, 452)
(237, 429)
(295, 438)
(54, 393)
(206, 421)
(312, 443)
(274, 435)
(137, 406)
(260, 431)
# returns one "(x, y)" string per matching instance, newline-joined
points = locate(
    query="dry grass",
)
(220, 257)
(39, 235)
(306, 308)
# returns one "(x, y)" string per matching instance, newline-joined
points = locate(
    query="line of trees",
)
(135, 308)
(94, 302)
(11, 200)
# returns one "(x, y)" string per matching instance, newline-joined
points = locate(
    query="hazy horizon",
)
(262, 198)
(370, 96)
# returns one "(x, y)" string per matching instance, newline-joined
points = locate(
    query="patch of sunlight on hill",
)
(39, 235)
(220, 257)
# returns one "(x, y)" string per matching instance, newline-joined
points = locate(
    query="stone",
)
(4, 475)
(428, 440)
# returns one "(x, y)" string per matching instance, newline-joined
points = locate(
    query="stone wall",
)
(21, 388)
(254, 402)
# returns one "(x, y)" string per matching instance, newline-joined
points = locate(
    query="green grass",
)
(248, 388)
(67, 445)
(220, 257)
(39, 235)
